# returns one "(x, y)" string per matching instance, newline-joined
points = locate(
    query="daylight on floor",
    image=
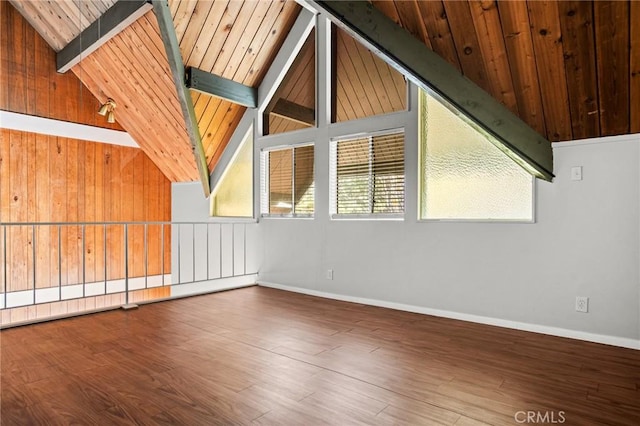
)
(305, 212)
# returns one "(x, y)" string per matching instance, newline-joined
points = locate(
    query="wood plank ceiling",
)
(234, 39)
(29, 82)
(132, 69)
(570, 69)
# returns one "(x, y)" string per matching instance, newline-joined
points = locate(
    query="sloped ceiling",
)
(235, 39)
(29, 83)
(132, 68)
(59, 22)
(570, 69)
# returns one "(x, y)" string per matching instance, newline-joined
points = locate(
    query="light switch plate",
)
(576, 173)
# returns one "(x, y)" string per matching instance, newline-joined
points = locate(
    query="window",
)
(233, 196)
(293, 106)
(364, 84)
(367, 176)
(287, 187)
(463, 175)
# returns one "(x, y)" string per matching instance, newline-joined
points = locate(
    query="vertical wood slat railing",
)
(46, 278)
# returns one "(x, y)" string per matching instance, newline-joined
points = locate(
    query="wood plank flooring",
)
(264, 356)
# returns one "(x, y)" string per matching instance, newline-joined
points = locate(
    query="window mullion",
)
(371, 192)
(293, 180)
(267, 183)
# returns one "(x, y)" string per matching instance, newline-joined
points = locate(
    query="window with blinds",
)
(287, 183)
(367, 175)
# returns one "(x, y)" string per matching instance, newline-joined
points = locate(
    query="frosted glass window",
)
(464, 175)
(233, 196)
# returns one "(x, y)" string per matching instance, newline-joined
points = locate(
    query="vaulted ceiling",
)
(569, 69)
(234, 39)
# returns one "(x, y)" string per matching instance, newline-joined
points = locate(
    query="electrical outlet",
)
(582, 304)
(329, 274)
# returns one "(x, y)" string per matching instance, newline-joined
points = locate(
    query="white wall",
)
(585, 242)
(223, 247)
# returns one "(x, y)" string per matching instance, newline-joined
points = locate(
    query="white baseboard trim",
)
(17, 299)
(542, 329)
(210, 286)
(177, 291)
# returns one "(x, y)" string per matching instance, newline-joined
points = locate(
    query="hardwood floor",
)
(265, 356)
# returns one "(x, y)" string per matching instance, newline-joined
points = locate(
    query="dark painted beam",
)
(220, 87)
(292, 111)
(171, 46)
(429, 71)
(118, 17)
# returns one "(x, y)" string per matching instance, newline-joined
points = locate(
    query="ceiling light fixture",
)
(107, 109)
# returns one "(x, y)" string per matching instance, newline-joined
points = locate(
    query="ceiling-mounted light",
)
(104, 108)
(107, 109)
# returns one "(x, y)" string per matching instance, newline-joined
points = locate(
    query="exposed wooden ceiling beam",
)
(118, 17)
(429, 71)
(170, 41)
(220, 87)
(292, 111)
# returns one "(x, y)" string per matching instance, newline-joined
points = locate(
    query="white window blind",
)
(367, 175)
(287, 184)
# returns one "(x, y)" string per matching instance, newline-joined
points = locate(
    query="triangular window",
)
(293, 106)
(233, 196)
(463, 175)
(364, 84)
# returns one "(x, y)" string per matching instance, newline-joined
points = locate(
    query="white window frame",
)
(421, 179)
(333, 178)
(247, 123)
(264, 182)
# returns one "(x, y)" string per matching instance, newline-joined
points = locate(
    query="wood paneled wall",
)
(52, 179)
(29, 81)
